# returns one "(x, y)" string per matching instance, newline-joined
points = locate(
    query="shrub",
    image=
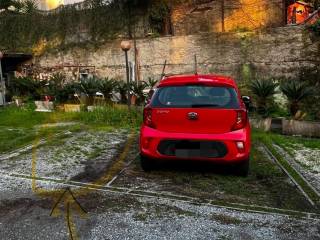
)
(263, 90)
(311, 75)
(315, 28)
(296, 91)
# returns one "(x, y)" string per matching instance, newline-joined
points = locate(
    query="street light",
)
(125, 46)
(2, 84)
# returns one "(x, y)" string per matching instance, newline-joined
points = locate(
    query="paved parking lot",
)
(120, 201)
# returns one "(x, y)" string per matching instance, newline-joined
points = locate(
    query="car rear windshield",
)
(195, 96)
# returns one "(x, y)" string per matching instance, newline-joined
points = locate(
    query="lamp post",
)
(2, 84)
(125, 46)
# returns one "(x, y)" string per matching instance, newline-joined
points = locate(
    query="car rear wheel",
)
(242, 169)
(146, 163)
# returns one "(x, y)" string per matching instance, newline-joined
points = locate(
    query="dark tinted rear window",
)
(195, 96)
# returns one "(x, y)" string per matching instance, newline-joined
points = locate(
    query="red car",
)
(196, 117)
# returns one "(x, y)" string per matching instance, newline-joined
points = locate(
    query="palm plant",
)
(106, 87)
(66, 93)
(90, 87)
(26, 87)
(151, 82)
(138, 91)
(263, 89)
(122, 87)
(295, 91)
(61, 90)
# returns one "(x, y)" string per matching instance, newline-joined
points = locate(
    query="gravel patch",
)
(306, 161)
(116, 216)
(69, 157)
(167, 219)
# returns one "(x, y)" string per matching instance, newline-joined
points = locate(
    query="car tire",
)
(146, 163)
(242, 169)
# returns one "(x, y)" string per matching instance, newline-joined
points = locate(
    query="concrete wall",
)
(278, 52)
(303, 128)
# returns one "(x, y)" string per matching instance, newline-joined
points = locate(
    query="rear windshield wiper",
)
(204, 105)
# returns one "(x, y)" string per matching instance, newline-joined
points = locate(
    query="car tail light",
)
(147, 118)
(241, 120)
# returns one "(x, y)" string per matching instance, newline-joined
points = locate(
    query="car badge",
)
(192, 115)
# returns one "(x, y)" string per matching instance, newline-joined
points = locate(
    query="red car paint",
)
(229, 126)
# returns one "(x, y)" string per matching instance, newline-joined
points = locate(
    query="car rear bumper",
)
(151, 138)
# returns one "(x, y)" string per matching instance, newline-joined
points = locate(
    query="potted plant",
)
(296, 92)
(106, 87)
(263, 91)
(89, 87)
(138, 96)
(121, 88)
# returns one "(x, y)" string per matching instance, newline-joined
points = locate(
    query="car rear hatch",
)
(195, 109)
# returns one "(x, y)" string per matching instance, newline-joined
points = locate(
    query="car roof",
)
(197, 79)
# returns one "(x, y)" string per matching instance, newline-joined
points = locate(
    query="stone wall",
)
(213, 16)
(279, 52)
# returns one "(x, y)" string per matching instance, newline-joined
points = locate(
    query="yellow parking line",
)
(68, 200)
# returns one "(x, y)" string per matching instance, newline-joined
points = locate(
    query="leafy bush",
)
(296, 91)
(263, 90)
(315, 28)
(158, 14)
(311, 105)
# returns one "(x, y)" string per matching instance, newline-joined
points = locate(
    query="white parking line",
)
(127, 165)
(27, 148)
(173, 197)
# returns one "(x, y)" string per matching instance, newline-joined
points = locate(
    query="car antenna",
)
(195, 65)
(163, 70)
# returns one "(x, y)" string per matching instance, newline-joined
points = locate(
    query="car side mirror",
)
(147, 101)
(247, 101)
